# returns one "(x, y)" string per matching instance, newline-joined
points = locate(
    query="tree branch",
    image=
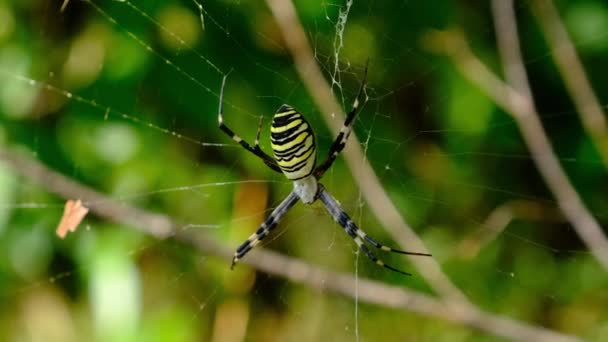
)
(538, 142)
(498, 220)
(573, 73)
(517, 100)
(366, 290)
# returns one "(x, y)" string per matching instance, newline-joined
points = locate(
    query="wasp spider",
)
(294, 148)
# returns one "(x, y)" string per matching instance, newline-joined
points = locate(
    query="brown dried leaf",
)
(73, 213)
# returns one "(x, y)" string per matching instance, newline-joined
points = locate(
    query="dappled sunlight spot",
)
(231, 320)
(238, 281)
(130, 181)
(44, 315)
(124, 59)
(250, 200)
(7, 23)
(429, 164)
(469, 110)
(86, 57)
(365, 48)
(309, 312)
(116, 143)
(267, 327)
(179, 27)
(580, 317)
(586, 20)
(17, 99)
(115, 292)
(268, 36)
(9, 184)
(30, 252)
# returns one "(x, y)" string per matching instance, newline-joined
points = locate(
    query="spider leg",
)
(268, 160)
(378, 245)
(373, 257)
(356, 233)
(265, 228)
(338, 145)
(256, 143)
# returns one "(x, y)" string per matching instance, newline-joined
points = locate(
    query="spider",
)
(293, 144)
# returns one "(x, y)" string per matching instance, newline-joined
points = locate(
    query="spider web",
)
(127, 104)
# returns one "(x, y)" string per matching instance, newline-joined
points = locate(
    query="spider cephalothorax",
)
(294, 149)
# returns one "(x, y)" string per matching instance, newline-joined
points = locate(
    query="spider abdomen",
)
(293, 143)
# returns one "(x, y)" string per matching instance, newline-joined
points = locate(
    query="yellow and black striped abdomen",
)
(293, 143)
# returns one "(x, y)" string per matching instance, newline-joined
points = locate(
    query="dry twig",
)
(498, 220)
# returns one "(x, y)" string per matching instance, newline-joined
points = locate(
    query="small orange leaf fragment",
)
(73, 213)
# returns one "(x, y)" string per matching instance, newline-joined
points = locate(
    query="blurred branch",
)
(365, 290)
(538, 142)
(500, 218)
(573, 73)
(369, 184)
(64, 5)
(516, 99)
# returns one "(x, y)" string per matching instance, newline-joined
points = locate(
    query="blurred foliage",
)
(445, 153)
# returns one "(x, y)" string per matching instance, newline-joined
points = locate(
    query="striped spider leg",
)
(268, 160)
(338, 145)
(265, 228)
(357, 233)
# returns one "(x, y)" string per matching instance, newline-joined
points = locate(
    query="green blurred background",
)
(447, 156)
